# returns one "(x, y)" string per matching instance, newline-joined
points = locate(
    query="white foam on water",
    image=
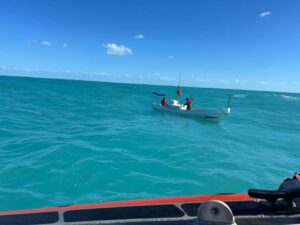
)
(239, 95)
(288, 97)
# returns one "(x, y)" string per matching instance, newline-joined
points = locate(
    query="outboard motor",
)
(227, 109)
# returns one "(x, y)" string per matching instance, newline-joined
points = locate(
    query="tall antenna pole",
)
(178, 92)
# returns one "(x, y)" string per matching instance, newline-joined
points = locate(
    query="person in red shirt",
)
(188, 103)
(164, 102)
(178, 92)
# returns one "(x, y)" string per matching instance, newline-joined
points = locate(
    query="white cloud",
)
(202, 80)
(167, 78)
(114, 49)
(46, 43)
(266, 13)
(263, 82)
(171, 57)
(69, 72)
(162, 77)
(27, 69)
(89, 73)
(49, 44)
(223, 81)
(139, 36)
(3, 67)
(239, 81)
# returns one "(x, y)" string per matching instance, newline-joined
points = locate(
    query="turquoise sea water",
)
(66, 142)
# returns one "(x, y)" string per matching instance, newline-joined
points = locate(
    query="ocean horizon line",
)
(147, 84)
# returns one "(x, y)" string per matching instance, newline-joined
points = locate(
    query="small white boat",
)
(210, 114)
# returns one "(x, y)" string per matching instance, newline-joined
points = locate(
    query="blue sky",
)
(250, 44)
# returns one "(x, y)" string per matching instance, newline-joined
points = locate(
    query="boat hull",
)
(160, 211)
(208, 114)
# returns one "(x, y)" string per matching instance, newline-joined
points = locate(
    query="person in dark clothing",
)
(188, 103)
(164, 102)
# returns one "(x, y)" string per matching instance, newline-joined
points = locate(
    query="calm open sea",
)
(66, 142)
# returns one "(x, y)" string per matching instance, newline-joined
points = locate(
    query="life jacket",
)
(164, 102)
(178, 92)
(188, 103)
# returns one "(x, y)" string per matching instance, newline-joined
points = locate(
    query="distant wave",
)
(290, 98)
(239, 95)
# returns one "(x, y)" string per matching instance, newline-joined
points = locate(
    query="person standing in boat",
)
(164, 102)
(188, 103)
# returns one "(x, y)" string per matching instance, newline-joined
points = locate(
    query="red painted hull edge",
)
(153, 201)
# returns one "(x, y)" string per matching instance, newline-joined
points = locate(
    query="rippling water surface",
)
(66, 142)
